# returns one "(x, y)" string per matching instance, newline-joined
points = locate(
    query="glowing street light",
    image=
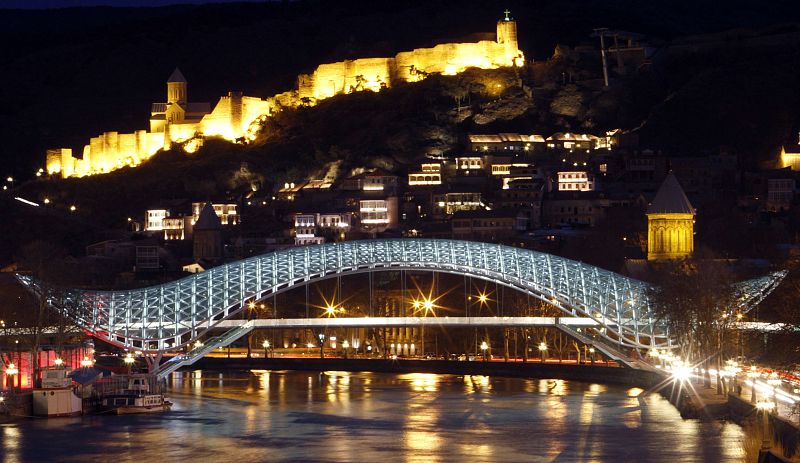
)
(542, 350)
(330, 310)
(266, 347)
(482, 298)
(345, 346)
(11, 371)
(73, 208)
(129, 360)
(484, 346)
(680, 371)
(765, 407)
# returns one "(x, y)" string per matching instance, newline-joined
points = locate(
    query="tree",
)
(695, 299)
(35, 317)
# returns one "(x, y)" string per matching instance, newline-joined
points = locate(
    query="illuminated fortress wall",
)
(236, 116)
(410, 66)
(233, 115)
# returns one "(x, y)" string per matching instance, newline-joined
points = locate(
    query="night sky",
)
(45, 4)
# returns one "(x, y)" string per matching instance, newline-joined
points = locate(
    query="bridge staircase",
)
(201, 351)
(604, 347)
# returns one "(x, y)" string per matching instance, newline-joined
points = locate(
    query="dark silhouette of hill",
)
(70, 74)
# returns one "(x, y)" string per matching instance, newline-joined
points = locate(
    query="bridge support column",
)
(153, 362)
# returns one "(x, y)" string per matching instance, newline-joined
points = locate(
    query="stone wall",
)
(234, 114)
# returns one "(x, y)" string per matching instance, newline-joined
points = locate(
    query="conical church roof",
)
(176, 76)
(670, 199)
(208, 219)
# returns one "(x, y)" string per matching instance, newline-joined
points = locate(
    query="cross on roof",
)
(507, 13)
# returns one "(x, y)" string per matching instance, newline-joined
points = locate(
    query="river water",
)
(367, 417)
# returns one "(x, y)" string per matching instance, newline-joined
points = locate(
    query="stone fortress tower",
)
(670, 223)
(507, 37)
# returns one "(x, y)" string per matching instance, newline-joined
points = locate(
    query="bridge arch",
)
(171, 315)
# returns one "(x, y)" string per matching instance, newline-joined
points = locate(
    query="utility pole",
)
(601, 32)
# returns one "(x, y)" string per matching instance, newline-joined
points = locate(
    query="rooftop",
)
(176, 76)
(208, 219)
(670, 199)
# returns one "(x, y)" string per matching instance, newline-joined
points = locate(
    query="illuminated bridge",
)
(615, 309)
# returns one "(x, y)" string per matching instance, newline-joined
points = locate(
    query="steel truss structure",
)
(172, 315)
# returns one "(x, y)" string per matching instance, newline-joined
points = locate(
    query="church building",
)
(670, 223)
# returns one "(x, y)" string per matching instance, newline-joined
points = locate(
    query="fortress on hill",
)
(236, 117)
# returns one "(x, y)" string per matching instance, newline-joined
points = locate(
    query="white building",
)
(154, 219)
(227, 212)
(575, 181)
(429, 174)
(378, 214)
(309, 227)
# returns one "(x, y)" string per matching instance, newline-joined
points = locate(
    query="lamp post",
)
(266, 347)
(542, 350)
(765, 407)
(591, 351)
(774, 381)
(753, 374)
(345, 346)
(12, 371)
(484, 346)
(322, 345)
(129, 360)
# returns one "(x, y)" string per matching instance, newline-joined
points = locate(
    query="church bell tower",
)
(670, 223)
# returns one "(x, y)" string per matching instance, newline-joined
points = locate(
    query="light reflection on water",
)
(342, 416)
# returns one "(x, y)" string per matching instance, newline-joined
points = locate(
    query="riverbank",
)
(532, 369)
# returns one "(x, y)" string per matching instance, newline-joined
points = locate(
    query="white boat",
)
(57, 396)
(136, 397)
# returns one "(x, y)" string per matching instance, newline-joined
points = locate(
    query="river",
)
(296, 416)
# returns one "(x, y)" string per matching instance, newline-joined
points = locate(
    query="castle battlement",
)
(233, 117)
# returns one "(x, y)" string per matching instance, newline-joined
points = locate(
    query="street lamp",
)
(128, 362)
(11, 371)
(266, 347)
(322, 345)
(765, 407)
(330, 311)
(484, 346)
(753, 374)
(774, 381)
(591, 351)
(345, 346)
(542, 350)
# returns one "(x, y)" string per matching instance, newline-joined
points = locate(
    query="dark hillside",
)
(70, 74)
